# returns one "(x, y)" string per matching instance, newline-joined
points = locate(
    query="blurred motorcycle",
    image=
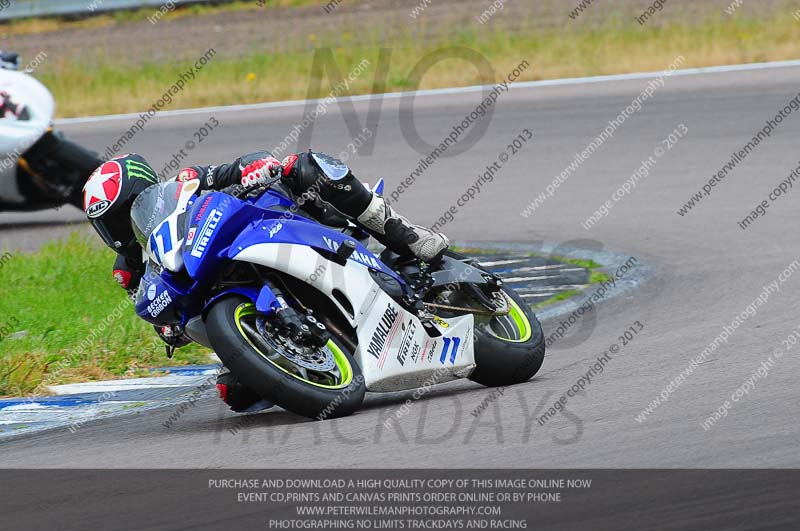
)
(39, 168)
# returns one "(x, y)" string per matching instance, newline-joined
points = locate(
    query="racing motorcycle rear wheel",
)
(509, 343)
(510, 348)
(315, 382)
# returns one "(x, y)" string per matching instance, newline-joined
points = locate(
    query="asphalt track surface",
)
(705, 271)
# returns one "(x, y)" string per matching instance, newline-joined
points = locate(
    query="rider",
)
(327, 182)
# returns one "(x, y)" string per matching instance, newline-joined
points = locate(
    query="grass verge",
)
(595, 276)
(96, 86)
(61, 298)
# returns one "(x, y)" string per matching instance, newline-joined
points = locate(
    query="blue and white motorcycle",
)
(307, 316)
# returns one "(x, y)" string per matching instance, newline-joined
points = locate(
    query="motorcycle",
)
(304, 314)
(39, 167)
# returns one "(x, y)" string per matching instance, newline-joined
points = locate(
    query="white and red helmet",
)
(108, 195)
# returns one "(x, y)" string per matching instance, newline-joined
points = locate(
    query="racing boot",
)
(398, 234)
(330, 179)
(239, 398)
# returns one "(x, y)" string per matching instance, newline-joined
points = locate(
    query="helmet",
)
(108, 195)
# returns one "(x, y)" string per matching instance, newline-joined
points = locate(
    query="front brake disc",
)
(315, 359)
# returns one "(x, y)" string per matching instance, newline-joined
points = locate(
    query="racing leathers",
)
(317, 181)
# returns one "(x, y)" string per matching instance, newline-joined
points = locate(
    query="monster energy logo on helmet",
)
(134, 168)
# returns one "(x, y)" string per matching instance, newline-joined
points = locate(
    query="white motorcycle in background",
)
(39, 168)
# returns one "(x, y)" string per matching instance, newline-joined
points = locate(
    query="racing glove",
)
(128, 273)
(259, 172)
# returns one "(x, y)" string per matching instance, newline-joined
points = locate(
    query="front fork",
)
(299, 326)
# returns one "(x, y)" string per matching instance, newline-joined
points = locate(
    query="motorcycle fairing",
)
(408, 354)
(397, 352)
(16, 136)
(349, 287)
(279, 230)
(160, 300)
(214, 220)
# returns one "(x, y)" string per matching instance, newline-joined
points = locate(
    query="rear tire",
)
(247, 361)
(510, 360)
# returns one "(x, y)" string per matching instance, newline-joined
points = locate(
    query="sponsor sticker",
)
(203, 208)
(429, 349)
(407, 344)
(102, 189)
(378, 343)
(361, 258)
(140, 170)
(158, 305)
(275, 230)
(441, 322)
(190, 235)
(415, 351)
(206, 232)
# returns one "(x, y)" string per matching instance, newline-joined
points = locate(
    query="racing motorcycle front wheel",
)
(318, 382)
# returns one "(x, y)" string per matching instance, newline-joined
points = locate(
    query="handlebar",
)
(241, 192)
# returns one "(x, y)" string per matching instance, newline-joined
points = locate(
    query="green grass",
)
(94, 85)
(586, 264)
(61, 298)
(595, 277)
(134, 405)
(562, 296)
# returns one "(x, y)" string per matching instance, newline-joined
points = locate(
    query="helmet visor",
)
(106, 227)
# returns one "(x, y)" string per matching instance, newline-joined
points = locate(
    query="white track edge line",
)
(444, 91)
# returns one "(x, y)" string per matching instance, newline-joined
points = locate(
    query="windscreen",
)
(152, 207)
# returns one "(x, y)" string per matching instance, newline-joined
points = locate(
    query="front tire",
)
(508, 349)
(253, 361)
